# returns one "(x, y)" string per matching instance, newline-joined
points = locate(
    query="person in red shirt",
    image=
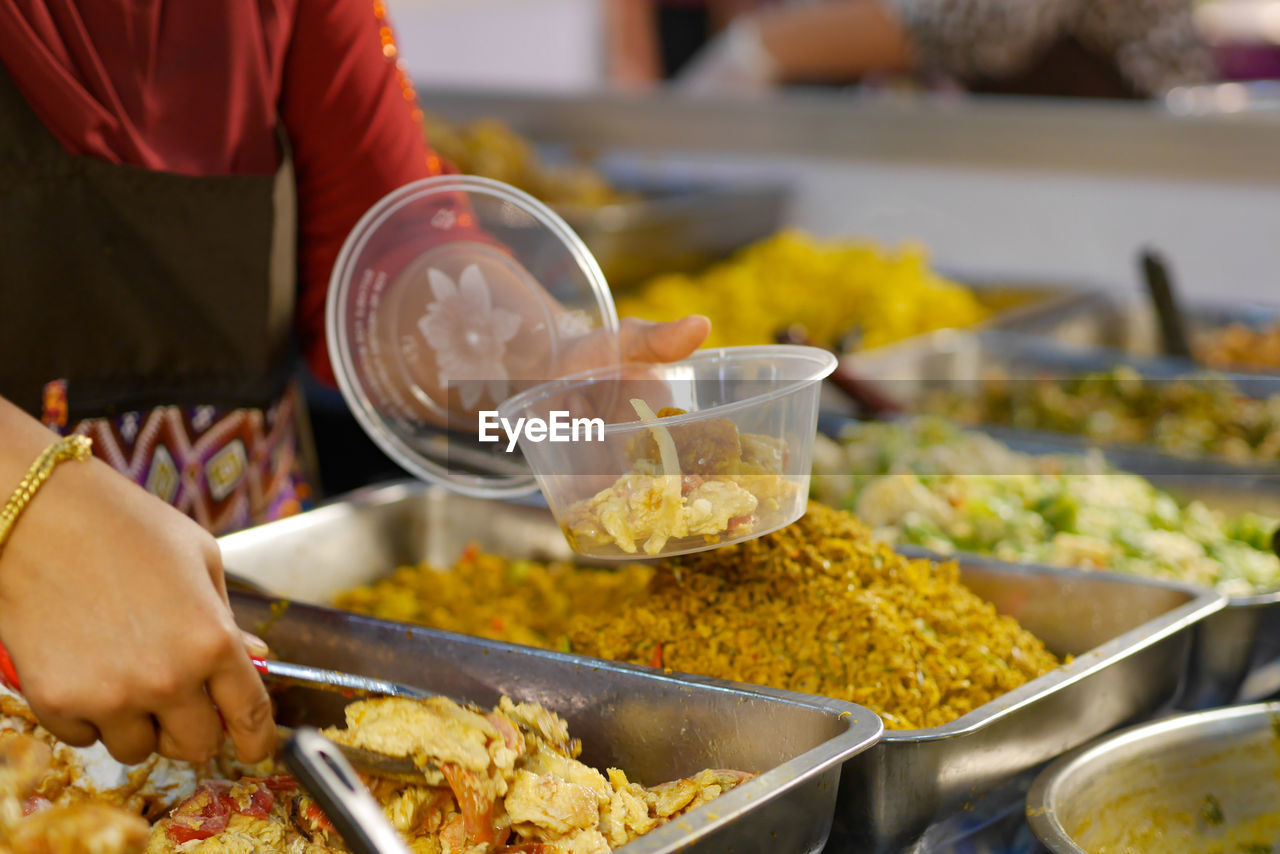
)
(161, 161)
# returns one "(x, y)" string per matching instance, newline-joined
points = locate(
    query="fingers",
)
(642, 341)
(246, 710)
(190, 729)
(129, 737)
(254, 645)
(213, 562)
(72, 731)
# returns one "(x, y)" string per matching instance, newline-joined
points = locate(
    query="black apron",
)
(138, 287)
(152, 311)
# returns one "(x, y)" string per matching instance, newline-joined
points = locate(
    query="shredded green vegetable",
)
(929, 483)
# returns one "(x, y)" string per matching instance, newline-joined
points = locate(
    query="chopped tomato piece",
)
(316, 816)
(202, 815)
(260, 803)
(511, 736)
(280, 783)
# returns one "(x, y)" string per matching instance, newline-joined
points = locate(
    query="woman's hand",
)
(639, 341)
(114, 611)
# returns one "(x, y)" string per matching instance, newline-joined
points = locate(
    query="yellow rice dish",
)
(819, 607)
(844, 294)
(519, 601)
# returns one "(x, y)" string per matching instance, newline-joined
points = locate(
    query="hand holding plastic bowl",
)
(460, 304)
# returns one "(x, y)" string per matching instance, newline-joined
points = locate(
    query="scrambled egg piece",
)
(31, 824)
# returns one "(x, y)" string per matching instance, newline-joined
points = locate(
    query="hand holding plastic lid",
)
(449, 296)
(460, 302)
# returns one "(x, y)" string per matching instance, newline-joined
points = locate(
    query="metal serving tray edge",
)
(654, 726)
(1128, 322)
(1131, 657)
(676, 226)
(890, 795)
(949, 357)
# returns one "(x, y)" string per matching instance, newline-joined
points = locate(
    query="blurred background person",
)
(1086, 48)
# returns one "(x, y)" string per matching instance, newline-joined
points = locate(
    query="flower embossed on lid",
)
(469, 335)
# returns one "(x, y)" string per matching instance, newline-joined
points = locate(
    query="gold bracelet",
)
(67, 448)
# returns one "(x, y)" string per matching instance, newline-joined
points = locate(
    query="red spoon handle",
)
(8, 673)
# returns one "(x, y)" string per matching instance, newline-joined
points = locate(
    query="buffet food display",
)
(1121, 637)
(921, 634)
(1205, 782)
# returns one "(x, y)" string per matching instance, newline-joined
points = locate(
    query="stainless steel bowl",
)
(1203, 782)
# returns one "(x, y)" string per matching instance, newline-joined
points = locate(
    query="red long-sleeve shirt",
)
(200, 87)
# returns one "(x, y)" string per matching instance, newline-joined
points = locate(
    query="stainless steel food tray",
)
(675, 226)
(653, 726)
(1158, 776)
(1231, 645)
(1132, 640)
(1015, 303)
(1129, 323)
(959, 361)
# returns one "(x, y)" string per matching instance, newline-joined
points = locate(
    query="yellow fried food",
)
(821, 607)
(32, 824)
(835, 290)
(520, 601)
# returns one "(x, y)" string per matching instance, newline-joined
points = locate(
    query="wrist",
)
(62, 450)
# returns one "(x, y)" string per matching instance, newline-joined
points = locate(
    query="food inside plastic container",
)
(725, 456)
(700, 479)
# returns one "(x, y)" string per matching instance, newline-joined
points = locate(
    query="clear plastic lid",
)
(450, 295)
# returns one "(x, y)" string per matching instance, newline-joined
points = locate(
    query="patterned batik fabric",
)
(225, 468)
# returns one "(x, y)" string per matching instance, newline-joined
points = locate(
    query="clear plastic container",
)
(727, 460)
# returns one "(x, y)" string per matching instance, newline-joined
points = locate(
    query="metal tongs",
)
(325, 774)
(347, 684)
